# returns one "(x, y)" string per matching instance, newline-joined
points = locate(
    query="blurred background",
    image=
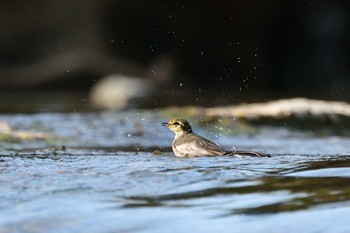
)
(101, 54)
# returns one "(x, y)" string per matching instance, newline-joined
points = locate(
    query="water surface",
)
(107, 179)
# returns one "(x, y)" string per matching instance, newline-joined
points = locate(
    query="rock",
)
(10, 134)
(317, 116)
(299, 108)
(157, 152)
(120, 91)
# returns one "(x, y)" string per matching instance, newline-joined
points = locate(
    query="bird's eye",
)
(175, 123)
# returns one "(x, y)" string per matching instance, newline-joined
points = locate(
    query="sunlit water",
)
(303, 187)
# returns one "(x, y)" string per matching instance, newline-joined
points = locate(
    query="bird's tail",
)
(247, 153)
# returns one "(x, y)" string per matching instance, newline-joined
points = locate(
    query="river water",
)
(106, 178)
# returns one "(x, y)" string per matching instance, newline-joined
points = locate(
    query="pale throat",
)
(180, 132)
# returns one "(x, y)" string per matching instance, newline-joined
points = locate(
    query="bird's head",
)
(178, 126)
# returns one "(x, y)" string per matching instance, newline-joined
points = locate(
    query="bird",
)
(188, 144)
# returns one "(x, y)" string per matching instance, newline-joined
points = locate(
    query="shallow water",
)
(107, 185)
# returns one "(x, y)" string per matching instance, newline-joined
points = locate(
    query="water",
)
(111, 185)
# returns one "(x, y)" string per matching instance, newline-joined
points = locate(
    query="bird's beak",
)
(165, 124)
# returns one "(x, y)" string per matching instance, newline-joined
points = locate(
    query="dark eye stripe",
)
(175, 123)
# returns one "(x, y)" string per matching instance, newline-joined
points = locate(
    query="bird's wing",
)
(195, 145)
(209, 146)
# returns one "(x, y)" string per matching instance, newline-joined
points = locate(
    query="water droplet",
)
(202, 52)
(180, 84)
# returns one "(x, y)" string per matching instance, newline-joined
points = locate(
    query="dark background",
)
(248, 50)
